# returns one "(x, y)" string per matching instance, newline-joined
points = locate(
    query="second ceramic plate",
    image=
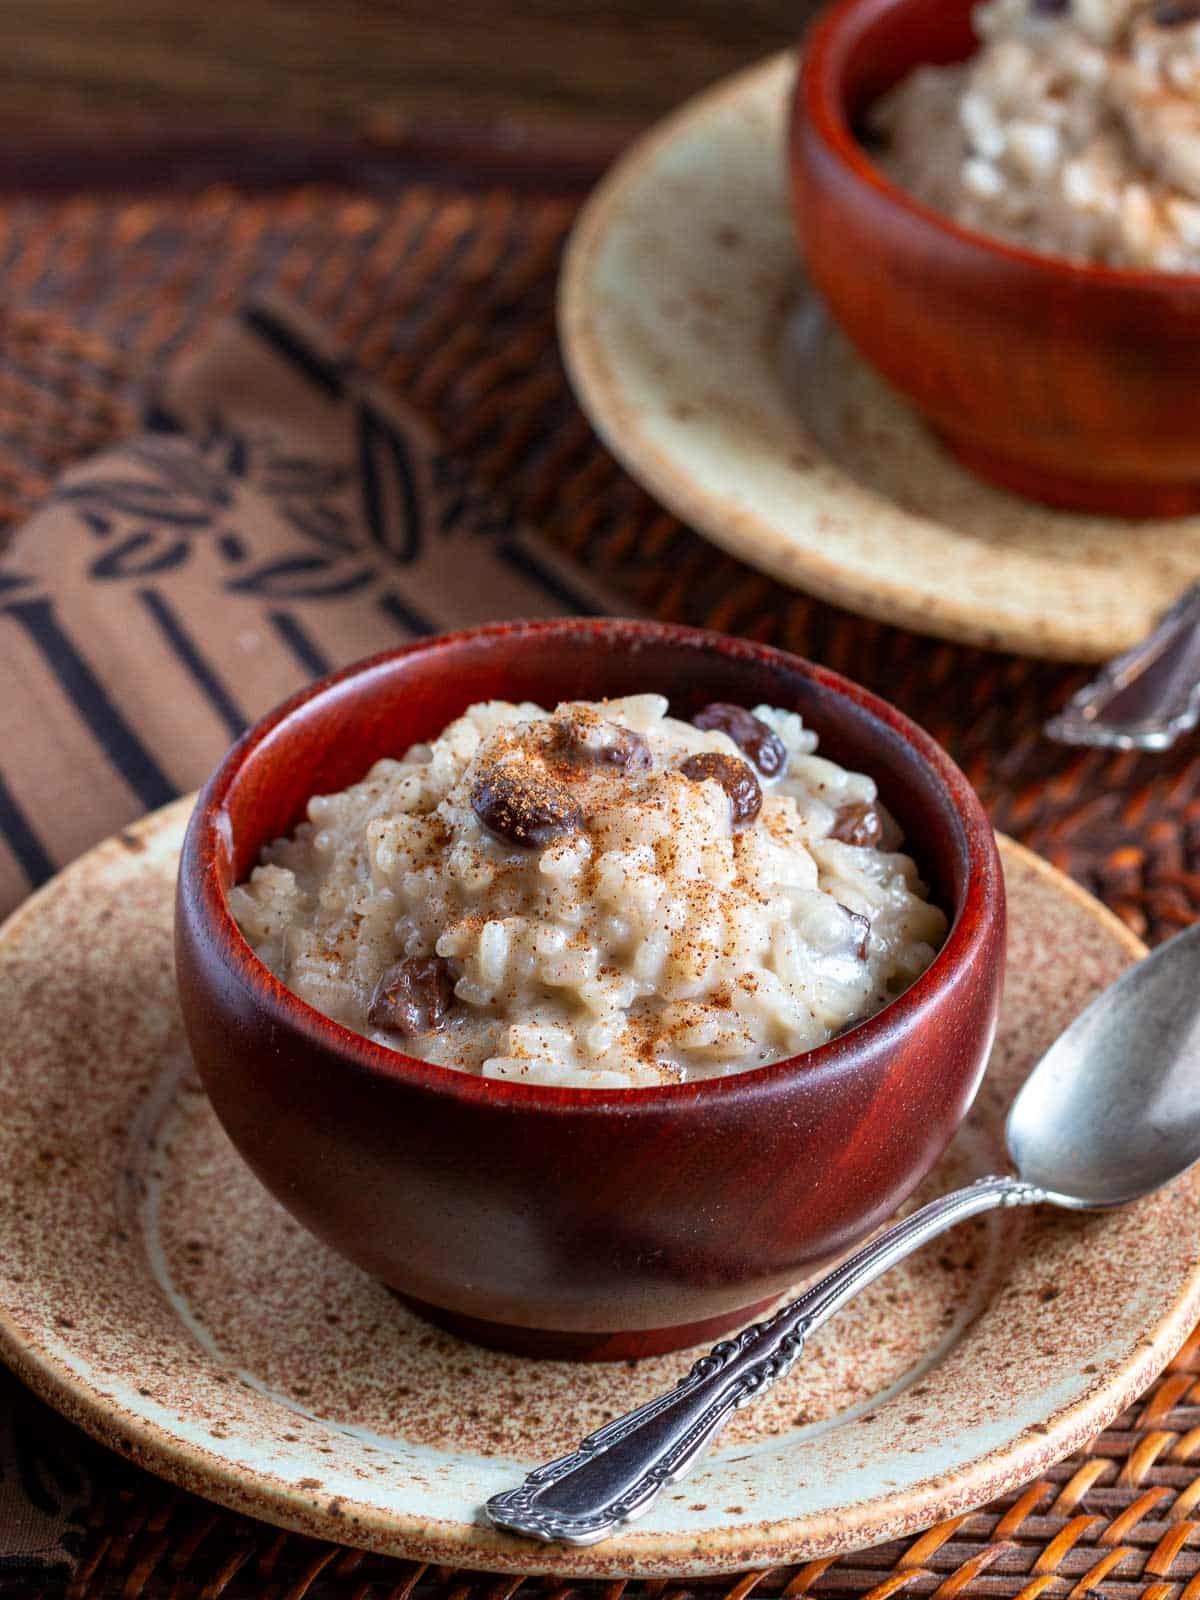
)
(712, 373)
(152, 1289)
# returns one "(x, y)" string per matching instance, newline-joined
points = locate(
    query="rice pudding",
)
(1073, 131)
(600, 896)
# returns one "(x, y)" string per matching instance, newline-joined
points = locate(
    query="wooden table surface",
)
(309, 66)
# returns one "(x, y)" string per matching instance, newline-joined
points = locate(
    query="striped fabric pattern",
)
(278, 517)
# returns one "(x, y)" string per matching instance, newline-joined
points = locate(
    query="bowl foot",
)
(572, 1345)
(1109, 497)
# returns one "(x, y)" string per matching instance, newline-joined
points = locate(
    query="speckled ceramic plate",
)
(710, 371)
(152, 1290)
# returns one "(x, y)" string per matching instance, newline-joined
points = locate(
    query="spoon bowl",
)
(1112, 1110)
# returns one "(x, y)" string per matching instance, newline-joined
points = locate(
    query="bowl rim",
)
(818, 100)
(203, 902)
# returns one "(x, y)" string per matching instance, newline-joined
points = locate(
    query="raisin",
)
(735, 777)
(413, 997)
(589, 740)
(1049, 8)
(865, 824)
(750, 733)
(861, 930)
(524, 804)
(1175, 13)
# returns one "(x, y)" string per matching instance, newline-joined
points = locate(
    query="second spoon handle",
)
(619, 1471)
(1148, 697)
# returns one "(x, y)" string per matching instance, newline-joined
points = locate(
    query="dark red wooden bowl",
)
(572, 1221)
(1075, 385)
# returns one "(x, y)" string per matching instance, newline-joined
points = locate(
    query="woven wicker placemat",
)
(448, 294)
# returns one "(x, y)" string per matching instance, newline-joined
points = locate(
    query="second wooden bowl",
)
(1072, 384)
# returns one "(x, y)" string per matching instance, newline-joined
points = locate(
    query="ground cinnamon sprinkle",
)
(605, 915)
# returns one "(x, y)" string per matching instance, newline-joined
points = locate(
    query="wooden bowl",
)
(1072, 384)
(590, 1223)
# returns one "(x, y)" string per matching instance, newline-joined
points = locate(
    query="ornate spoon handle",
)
(1147, 698)
(619, 1471)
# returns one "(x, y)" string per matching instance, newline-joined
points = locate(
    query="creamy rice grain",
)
(601, 895)
(1074, 130)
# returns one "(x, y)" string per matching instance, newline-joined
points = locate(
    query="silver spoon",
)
(1109, 1114)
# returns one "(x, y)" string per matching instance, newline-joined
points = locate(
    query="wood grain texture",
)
(312, 64)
